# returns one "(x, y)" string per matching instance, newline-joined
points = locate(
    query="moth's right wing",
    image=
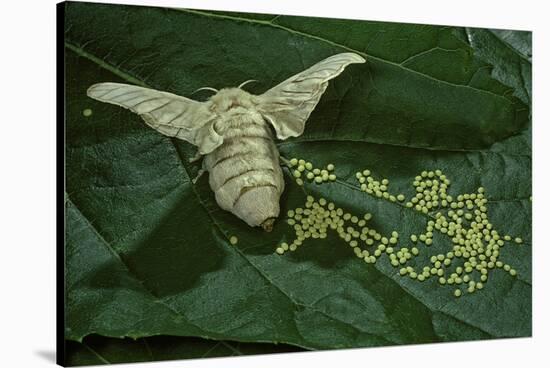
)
(169, 114)
(287, 106)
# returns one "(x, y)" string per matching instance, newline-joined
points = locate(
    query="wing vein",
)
(160, 107)
(144, 101)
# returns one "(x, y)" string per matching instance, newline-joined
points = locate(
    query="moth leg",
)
(195, 158)
(284, 161)
(199, 174)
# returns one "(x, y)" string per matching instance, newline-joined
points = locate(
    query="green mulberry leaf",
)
(148, 251)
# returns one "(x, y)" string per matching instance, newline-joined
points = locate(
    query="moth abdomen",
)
(244, 171)
(259, 205)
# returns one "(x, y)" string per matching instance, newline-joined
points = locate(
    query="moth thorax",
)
(230, 98)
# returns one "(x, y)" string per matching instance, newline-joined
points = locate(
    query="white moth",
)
(232, 130)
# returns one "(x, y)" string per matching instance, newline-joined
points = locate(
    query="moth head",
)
(228, 99)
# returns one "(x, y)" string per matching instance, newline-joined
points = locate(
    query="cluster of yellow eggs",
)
(304, 170)
(317, 217)
(474, 244)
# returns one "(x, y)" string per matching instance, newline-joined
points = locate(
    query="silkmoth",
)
(233, 131)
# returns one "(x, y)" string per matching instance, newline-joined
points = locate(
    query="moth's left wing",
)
(288, 105)
(169, 114)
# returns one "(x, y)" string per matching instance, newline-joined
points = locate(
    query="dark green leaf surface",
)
(148, 251)
(96, 350)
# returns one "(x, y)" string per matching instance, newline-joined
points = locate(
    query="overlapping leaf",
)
(95, 350)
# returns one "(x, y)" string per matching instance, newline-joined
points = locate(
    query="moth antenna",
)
(246, 82)
(207, 89)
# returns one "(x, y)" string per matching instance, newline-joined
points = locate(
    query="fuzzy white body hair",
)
(244, 171)
(233, 131)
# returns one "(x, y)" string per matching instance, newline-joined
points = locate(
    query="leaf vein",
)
(336, 44)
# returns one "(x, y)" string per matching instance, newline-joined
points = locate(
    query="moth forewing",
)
(232, 130)
(169, 114)
(288, 105)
